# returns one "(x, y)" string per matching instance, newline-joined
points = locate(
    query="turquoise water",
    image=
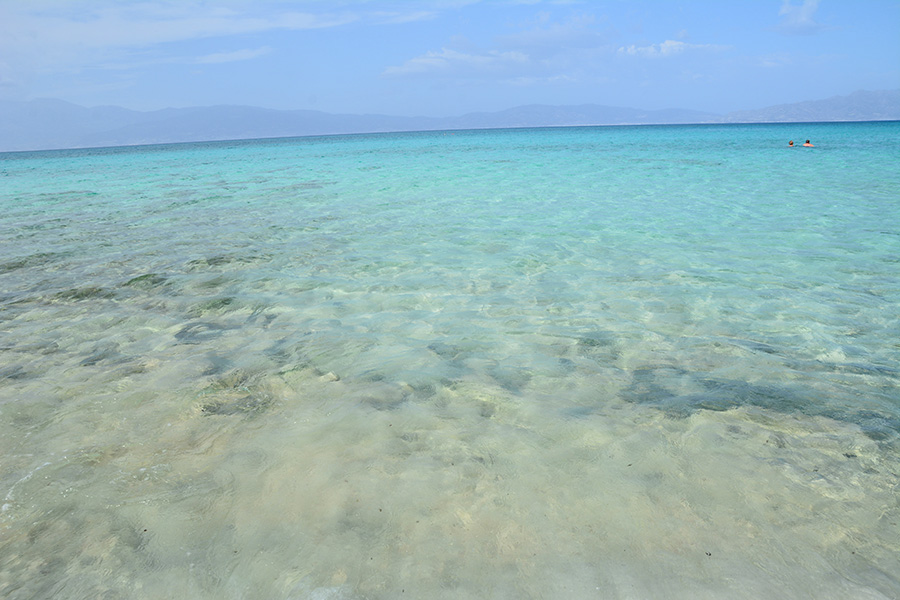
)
(618, 362)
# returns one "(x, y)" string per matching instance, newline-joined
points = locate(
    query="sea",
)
(627, 362)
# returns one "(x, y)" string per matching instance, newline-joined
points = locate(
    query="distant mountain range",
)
(50, 124)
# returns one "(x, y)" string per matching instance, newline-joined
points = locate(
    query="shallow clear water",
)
(620, 362)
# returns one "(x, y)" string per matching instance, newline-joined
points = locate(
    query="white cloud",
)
(666, 49)
(396, 18)
(43, 39)
(525, 81)
(448, 60)
(799, 19)
(238, 55)
(56, 36)
(98, 24)
(770, 61)
(544, 51)
(579, 31)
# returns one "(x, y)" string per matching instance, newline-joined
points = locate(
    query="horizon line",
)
(419, 131)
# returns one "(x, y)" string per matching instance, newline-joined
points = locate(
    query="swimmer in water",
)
(808, 145)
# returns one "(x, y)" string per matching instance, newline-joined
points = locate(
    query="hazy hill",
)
(48, 124)
(858, 106)
(539, 115)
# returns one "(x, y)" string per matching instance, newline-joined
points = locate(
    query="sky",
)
(446, 57)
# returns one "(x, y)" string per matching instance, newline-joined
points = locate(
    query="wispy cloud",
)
(799, 19)
(115, 24)
(542, 51)
(781, 59)
(42, 39)
(578, 31)
(397, 18)
(50, 35)
(534, 81)
(667, 48)
(447, 61)
(237, 55)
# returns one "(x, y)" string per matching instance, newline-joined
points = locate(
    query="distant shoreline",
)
(48, 124)
(287, 138)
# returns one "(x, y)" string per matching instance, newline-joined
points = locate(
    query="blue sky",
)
(446, 57)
